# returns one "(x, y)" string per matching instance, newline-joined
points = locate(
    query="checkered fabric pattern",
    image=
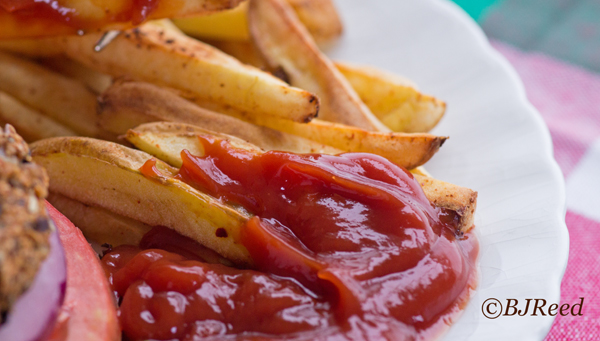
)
(568, 98)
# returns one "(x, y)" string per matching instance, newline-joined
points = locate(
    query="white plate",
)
(498, 145)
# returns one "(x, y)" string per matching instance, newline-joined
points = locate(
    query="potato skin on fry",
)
(94, 80)
(356, 140)
(461, 200)
(31, 124)
(319, 16)
(286, 45)
(395, 101)
(65, 100)
(32, 48)
(166, 57)
(230, 25)
(106, 175)
(98, 224)
(126, 105)
(406, 150)
(166, 141)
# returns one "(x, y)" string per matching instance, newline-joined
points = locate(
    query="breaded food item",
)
(24, 222)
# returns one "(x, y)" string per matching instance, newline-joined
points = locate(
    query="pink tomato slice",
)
(89, 309)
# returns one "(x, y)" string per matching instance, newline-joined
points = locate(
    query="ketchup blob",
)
(344, 247)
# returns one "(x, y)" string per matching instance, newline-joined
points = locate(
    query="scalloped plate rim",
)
(539, 328)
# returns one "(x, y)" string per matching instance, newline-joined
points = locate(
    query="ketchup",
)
(63, 13)
(344, 247)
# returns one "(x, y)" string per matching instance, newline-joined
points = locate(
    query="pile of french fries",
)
(254, 75)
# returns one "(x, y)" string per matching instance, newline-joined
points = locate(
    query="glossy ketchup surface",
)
(345, 247)
(87, 14)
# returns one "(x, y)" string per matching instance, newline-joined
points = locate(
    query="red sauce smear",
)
(344, 246)
(63, 14)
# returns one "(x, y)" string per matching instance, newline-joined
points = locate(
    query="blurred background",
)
(566, 29)
(554, 45)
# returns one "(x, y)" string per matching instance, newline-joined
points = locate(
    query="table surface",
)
(555, 47)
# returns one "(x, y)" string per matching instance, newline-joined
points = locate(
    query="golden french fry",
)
(420, 171)
(286, 45)
(166, 57)
(461, 200)
(33, 48)
(48, 48)
(98, 224)
(105, 227)
(319, 16)
(231, 25)
(393, 100)
(128, 104)
(404, 149)
(94, 80)
(167, 141)
(97, 15)
(244, 51)
(30, 124)
(163, 145)
(407, 150)
(106, 175)
(65, 100)
(167, 24)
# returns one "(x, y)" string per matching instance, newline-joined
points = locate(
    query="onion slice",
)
(33, 316)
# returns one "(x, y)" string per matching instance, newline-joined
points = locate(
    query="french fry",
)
(244, 51)
(30, 124)
(319, 16)
(32, 48)
(104, 174)
(167, 141)
(406, 150)
(128, 104)
(163, 144)
(393, 100)
(166, 57)
(461, 200)
(65, 100)
(420, 171)
(94, 80)
(168, 25)
(97, 15)
(98, 224)
(229, 25)
(286, 45)
(48, 48)
(105, 227)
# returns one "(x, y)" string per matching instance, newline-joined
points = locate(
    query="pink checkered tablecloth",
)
(568, 98)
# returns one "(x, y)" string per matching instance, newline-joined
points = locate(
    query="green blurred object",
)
(475, 8)
(566, 29)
